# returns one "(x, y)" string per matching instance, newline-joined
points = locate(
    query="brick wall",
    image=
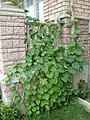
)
(85, 37)
(82, 8)
(12, 47)
(52, 8)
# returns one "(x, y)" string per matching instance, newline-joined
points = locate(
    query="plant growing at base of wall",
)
(48, 73)
(9, 113)
(84, 90)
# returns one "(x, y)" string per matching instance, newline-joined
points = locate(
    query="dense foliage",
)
(9, 113)
(73, 111)
(47, 75)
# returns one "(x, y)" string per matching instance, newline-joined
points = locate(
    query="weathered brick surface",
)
(52, 8)
(85, 37)
(12, 47)
(5, 57)
(13, 56)
(7, 44)
(22, 55)
(82, 8)
(18, 30)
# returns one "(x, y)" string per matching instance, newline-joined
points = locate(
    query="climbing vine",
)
(47, 76)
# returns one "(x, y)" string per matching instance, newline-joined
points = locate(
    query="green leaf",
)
(65, 77)
(34, 41)
(44, 53)
(76, 21)
(34, 87)
(37, 102)
(40, 60)
(78, 52)
(43, 103)
(71, 44)
(45, 96)
(31, 52)
(29, 18)
(50, 75)
(37, 112)
(46, 40)
(50, 52)
(41, 91)
(33, 92)
(39, 96)
(54, 81)
(22, 80)
(76, 65)
(54, 97)
(71, 70)
(33, 104)
(37, 107)
(59, 58)
(35, 19)
(77, 30)
(76, 92)
(17, 99)
(14, 70)
(51, 103)
(61, 70)
(30, 112)
(51, 91)
(27, 92)
(34, 109)
(45, 68)
(43, 81)
(27, 87)
(47, 107)
(26, 97)
(49, 85)
(27, 104)
(70, 59)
